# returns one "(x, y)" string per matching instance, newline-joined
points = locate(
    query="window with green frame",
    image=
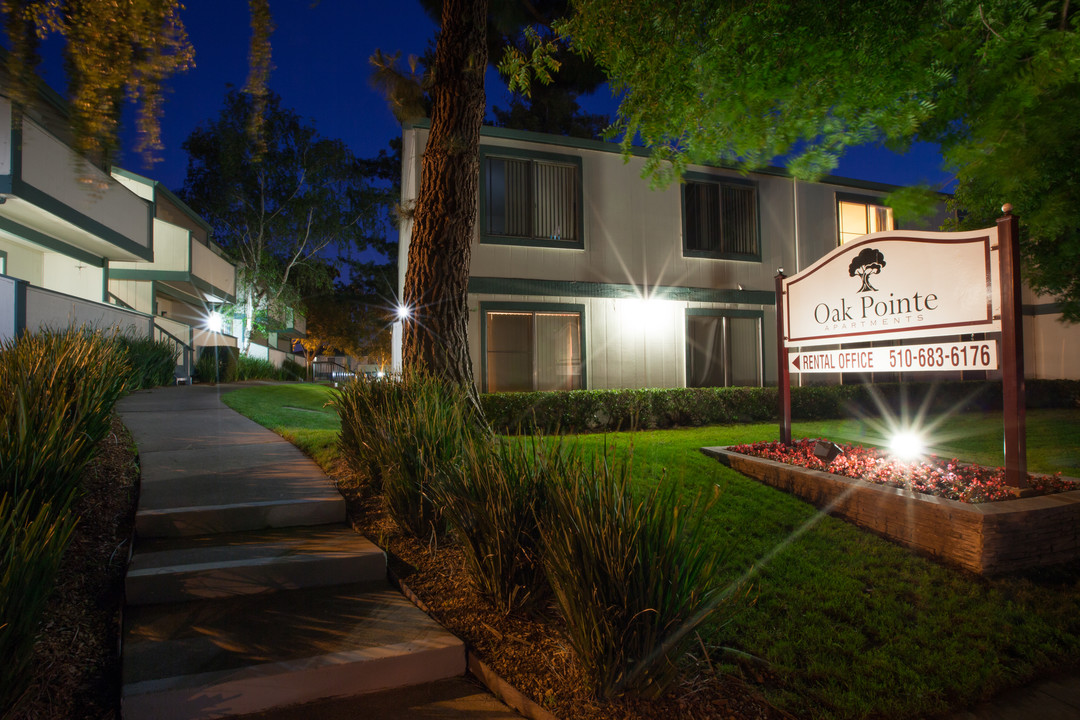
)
(720, 219)
(723, 348)
(532, 199)
(529, 348)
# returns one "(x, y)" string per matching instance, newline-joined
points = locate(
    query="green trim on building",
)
(758, 315)
(486, 238)
(48, 241)
(105, 281)
(1053, 308)
(700, 177)
(493, 305)
(3, 262)
(576, 289)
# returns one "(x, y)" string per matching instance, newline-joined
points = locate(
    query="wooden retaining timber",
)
(986, 538)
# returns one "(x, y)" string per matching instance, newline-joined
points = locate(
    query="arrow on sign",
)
(797, 362)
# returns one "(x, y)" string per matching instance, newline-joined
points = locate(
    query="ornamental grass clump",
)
(33, 539)
(57, 392)
(492, 504)
(633, 576)
(419, 426)
(152, 362)
(365, 408)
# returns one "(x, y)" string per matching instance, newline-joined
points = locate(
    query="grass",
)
(845, 624)
(296, 412)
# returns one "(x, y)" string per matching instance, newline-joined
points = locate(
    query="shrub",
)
(292, 370)
(577, 411)
(492, 503)
(57, 392)
(419, 425)
(153, 362)
(217, 364)
(32, 543)
(249, 368)
(633, 577)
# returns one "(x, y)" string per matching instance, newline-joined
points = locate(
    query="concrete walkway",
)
(248, 593)
(1055, 698)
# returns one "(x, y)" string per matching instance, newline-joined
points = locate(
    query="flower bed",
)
(944, 478)
(983, 537)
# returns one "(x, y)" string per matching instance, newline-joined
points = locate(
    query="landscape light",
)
(826, 451)
(403, 312)
(907, 445)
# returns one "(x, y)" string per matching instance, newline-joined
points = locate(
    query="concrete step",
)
(238, 517)
(217, 658)
(217, 489)
(213, 566)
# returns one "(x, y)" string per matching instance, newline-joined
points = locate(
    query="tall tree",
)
(279, 200)
(437, 278)
(995, 82)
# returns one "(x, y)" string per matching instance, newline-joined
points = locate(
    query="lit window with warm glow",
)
(532, 350)
(856, 219)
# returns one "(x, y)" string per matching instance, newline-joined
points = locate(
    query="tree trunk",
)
(437, 279)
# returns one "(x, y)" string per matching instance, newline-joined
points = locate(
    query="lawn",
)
(843, 623)
(296, 412)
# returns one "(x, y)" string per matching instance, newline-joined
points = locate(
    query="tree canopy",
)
(996, 83)
(278, 202)
(113, 51)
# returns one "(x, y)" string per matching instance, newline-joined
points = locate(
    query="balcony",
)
(28, 308)
(183, 265)
(53, 198)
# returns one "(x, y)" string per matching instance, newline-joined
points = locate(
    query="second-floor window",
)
(531, 201)
(858, 216)
(720, 219)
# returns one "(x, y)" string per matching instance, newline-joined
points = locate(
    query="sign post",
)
(1013, 410)
(782, 371)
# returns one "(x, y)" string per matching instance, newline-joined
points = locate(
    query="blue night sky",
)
(321, 70)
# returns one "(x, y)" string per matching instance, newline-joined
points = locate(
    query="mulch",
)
(535, 656)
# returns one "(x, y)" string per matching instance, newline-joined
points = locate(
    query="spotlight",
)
(906, 445)
(214, 322)
(826, 451)
(403, 312)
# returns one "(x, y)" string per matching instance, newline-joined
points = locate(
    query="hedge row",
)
(607, 410)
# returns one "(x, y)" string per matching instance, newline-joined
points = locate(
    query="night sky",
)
(321, 70)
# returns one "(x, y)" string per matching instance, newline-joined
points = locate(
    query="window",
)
(858, 216)
(528, 349)
(534, 200)
(3, 263)
(720, 220)
(723, 348)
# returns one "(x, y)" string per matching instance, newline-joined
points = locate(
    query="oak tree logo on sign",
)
(868, 262)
